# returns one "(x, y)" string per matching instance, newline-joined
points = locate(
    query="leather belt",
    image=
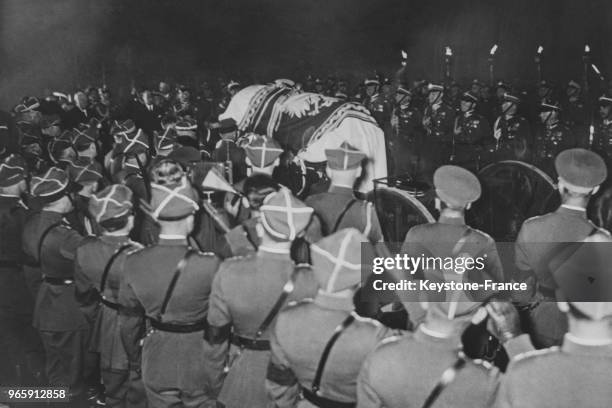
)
(250, 344)
(58, 281)
(109, 304)
(322, 402)
(547, 292)
(179, 327)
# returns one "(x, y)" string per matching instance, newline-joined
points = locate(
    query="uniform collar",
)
(423, 333)
(343, 190)
(576, 345)
(334, 302)
(114, 239)
(171, 239)
(572, 210)
(270, 252)
(445, 219)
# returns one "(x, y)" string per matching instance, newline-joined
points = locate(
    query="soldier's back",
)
(404, 370)
(302, 332)
(558, 378)
(252, 284)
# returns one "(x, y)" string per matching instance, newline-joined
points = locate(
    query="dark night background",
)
(63, 44)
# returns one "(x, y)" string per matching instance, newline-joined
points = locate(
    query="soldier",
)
(576, 373)
(580, 174)
(380, 104)
(371, 88)
(85, 142)
(87, 175)
(318, 345)
(184, 106)
(248, 293)
(97, 281)
(601, 141)
(187, 132)
(16, 303)
(51, 243)
(470, 132)
(447, 377)
(228, 152)
(262, 157)
(456, 189)
(243, 238)
(438, 122)
(168, 285)
(338, 207)
(407, 125)
(575, 109)
(510, 132)
(554, 137)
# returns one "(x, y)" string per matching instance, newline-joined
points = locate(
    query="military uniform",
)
(602, 137)
(244, 293)
(19, 341)
(470, 132)
(408, 132)
(304, 330)
(458, 187)
(512, 138)
(338, 207)
(97, 280)
(63, 328)
(540, 236)
(380, 105)
(553, 139)
(577, 372)
(174, 368)
(438, 121)
(83, 171)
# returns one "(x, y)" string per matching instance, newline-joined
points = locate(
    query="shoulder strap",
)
(330, 344)
(108, 265)
(287, 290)
(342, 214)
(448, 376)
(461, 242)
(44, 235)
(180, 267)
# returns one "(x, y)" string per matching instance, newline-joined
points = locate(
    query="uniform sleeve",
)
(131, 318)
(372, 230)
(367, 397)
(281, 384)
(493, 262)
(219, 314)
(501, 396)
(524, 271)
(70, 242)
(86, 293)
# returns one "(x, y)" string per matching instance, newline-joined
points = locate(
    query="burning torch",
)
(538, 61)
(492, 64)
(448, 57)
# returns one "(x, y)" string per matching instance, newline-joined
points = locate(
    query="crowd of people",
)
(153, 255)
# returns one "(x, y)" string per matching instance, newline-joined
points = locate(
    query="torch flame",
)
(404, 54)
(449, 52)
(540, 49)
(493, 49)
(587, 48)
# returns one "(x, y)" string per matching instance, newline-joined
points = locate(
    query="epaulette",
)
(484, 234)
(367, 320)
(390, 341)
(207, 253)
(483, 363)
(535, 353)
(238, 258)
(134, 250)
